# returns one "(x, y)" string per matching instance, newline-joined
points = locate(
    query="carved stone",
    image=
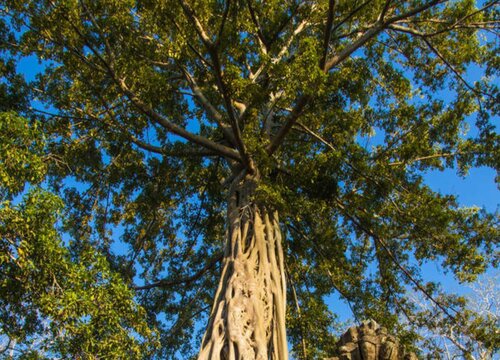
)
(370, 341)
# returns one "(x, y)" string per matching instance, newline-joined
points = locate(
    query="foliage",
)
(55, 299)
(479, 314)
(145, 111)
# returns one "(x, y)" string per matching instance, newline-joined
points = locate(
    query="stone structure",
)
(370, 341)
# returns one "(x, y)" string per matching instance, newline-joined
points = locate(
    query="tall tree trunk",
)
(248, 316)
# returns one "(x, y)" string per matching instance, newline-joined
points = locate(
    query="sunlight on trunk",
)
(248, 316)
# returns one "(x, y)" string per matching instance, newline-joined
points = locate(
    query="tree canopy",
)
(117, 161)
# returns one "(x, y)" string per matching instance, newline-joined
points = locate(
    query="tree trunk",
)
(248, 316)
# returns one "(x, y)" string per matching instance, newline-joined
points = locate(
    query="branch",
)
(230, 110)
(213, 113)
(391, 255)
(176, 129)
(384, 10)
(197, 24)
(284, 24)
(424, 158)
(302, 102)
(155, 116)
(296, 300)
(318, 251)
(300, 27)
(374, 30)
(212, 51)
(415, 11)
(223, 22)
(350, 15)
(260, 34)
(328, 32)
(316, 136)
(183, 280)
(360, 41)
(452, 68)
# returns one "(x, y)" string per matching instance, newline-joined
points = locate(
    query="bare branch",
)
(316, 136)
(452, 68)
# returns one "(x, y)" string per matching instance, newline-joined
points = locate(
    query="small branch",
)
(223, 22)
(452, 68)
(316, 136)
(415, 11)
(296, 300)
(424, 158)
(244, 157)
(391, 255)
(260, 34)
(284, 24)
(318, 251)
(300, 27)
(183, 280)
(350, 15)
(384, 10)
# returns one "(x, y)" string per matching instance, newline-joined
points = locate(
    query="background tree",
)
(178, 131)
(480, 309)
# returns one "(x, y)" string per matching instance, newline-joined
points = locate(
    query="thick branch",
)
(290, 121)
(347, 51)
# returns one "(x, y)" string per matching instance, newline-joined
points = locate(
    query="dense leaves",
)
(55, 300)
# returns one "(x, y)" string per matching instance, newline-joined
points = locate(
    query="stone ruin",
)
(370, 341)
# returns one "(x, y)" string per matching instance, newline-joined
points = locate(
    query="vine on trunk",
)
(248, 316)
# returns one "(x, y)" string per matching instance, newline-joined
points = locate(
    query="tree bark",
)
(247, 320)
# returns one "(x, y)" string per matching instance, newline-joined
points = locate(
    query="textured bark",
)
(369, 341)
(248, 316)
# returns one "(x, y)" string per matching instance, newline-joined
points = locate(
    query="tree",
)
(185, 128)
(482, 310)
